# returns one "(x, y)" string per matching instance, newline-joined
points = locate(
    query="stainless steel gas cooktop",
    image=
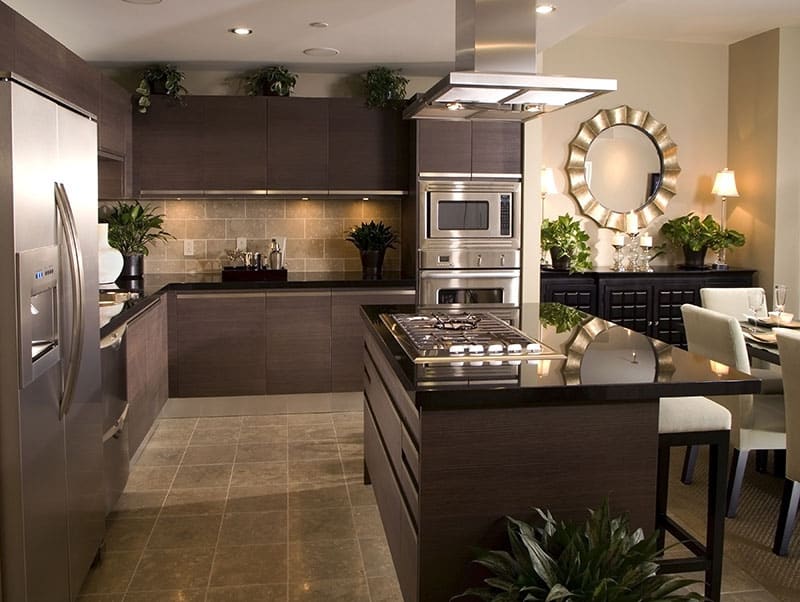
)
(464, 337)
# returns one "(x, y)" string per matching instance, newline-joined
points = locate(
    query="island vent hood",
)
(495, 76)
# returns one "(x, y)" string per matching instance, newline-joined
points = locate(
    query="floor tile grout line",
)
(158, 515)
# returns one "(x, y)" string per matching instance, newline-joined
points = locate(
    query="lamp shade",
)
(548, 181)
(725, 183)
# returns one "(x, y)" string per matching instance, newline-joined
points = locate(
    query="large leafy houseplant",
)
(275, 80)
(384, 87)
(567, 242)
(598, 561)
(160, 79)
(133, 226)
(372, 240)
(695, 236)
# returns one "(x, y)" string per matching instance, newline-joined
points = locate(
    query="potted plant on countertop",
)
(598, 560)
(567, 242)
(160, 79)
(384, 87)
(695, 236)
(275, 80)
(131, 228)
(372, 240)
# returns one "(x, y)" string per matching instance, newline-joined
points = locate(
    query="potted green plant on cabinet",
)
(372, 240)
(275, 80)
(384, 87)
(598, 560)
(160, 79)
(695, 236)
(131, 228)
(567, 243)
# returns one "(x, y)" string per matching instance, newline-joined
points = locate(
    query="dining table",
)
(760, 338)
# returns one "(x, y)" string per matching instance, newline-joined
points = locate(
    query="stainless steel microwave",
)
(480, 211)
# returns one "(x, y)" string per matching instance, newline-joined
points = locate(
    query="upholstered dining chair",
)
(757, 420)
(789, 349)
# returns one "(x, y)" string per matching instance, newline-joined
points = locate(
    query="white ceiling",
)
(416, 35)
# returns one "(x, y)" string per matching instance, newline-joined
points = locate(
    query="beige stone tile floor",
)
(266, 508)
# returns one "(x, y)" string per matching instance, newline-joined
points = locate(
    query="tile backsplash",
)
(315, 232)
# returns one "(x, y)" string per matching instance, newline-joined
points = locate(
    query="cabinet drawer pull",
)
(313, 293)
(201, 296)
(375, 291)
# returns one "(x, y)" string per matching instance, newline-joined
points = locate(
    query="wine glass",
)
(755, 301)
(779, 299)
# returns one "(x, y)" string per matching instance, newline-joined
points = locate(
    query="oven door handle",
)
(476, 274)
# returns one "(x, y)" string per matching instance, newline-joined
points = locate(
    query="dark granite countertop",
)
(152, 285)
(657, 270)
(599, 365)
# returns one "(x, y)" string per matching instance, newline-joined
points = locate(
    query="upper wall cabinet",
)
(297, 144)
(6, 38)
(368, 148)
(48, 63)
(234, 142)
(469, 148)
(114, 118)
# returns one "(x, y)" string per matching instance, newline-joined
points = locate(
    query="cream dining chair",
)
(789, 349)
(757, 420)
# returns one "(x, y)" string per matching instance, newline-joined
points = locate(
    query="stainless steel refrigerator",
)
(51, 414)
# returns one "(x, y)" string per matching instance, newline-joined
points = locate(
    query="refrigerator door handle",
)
(76, 272)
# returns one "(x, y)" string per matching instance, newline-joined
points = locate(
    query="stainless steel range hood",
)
(495, 76)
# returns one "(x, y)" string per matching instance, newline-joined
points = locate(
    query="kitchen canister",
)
(109, 260)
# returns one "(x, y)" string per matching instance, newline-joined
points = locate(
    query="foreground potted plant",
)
(384, 87)
(131, 228)
(160, 79)
(600, 560)
(275, 80)
(372, 240)
(695, 236)
(566, 241)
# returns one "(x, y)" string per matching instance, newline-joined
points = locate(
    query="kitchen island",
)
(451, 449)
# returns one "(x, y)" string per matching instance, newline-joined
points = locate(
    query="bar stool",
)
(686, 421)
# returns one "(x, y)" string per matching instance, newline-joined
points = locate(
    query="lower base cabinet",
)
(281, 341)
(146, 370)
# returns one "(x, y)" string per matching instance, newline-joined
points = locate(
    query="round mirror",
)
(622, 160)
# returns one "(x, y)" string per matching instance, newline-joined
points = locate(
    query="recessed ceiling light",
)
(321, 51)
(241, 31)
(142, 1)
(545, 9)
(319, 24)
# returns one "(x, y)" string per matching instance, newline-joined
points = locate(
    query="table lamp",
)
(548, 186)
(724, 186)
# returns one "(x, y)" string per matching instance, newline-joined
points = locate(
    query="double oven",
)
(469, 246)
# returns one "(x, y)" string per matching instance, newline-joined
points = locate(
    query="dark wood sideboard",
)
(647, 302)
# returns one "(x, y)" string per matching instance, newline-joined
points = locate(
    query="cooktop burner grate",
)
(452, 337)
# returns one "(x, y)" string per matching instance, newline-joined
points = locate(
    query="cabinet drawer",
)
(397, 523)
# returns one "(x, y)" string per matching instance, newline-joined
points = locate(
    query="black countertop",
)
(599, 366)
(664, 270)
(152, 285)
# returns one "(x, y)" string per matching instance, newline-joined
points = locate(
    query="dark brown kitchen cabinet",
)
(575, 290)
(146, 370)
(6, 38)
(297, 143)
(167, 148)
(469, 148)
(234, 142)
(298, 341)
(496, 147)
(347, 343)
(444, 146)
(114, 137)
(368, 148)
(220, 344)
(46, 62)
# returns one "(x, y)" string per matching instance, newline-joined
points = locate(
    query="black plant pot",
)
(158, 87)
(694, 259)
(372, 264)
(559, 262)
(132, 267)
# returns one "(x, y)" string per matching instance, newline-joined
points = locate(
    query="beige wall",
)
(752, 135)
(682, 85)
(315, 232)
